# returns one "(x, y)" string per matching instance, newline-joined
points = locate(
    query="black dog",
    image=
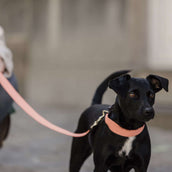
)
(132, 108)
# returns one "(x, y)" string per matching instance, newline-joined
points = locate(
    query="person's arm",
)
(6, 61)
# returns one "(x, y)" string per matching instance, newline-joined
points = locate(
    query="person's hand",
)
(2, 65)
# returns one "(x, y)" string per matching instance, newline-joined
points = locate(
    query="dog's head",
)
(136, 96)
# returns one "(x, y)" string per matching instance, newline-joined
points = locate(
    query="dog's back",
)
(91, 114)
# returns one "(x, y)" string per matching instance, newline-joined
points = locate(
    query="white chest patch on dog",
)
(127, 147)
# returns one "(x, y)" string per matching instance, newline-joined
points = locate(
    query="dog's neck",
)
(116, 114)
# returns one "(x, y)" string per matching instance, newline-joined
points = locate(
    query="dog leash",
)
(37, 117)
(31, 112)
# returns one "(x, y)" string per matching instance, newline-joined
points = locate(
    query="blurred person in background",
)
(6, 107)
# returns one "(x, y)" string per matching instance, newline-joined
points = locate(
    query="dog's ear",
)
(120, 85)
(158, 82)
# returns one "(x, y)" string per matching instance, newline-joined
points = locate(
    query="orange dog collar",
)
(115, 128)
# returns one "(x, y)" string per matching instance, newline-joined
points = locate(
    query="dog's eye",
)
(133, 95)
(151, 95)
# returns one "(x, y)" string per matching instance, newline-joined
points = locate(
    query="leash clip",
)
(104, 112)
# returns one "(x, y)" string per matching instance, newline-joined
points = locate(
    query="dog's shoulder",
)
(92, 113)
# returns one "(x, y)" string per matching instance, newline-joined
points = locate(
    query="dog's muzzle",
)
(148, 113)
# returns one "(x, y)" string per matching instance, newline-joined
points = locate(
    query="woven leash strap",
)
(31, 112)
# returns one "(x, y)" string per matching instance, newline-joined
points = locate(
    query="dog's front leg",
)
(139, 165)
(140, 169)
(99, 161)
(100, 169)
(100, 166)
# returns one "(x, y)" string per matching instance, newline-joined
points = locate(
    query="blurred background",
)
(62, 50)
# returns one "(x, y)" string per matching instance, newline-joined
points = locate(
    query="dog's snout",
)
(149, 111)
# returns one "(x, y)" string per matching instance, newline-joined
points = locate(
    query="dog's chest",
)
(127, 147)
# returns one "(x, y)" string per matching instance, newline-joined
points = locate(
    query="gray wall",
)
(78, 44)
(69, 47)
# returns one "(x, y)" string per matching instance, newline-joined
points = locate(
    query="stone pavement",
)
(33, 148)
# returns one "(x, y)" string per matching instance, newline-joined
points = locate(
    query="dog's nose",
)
(149, 111)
